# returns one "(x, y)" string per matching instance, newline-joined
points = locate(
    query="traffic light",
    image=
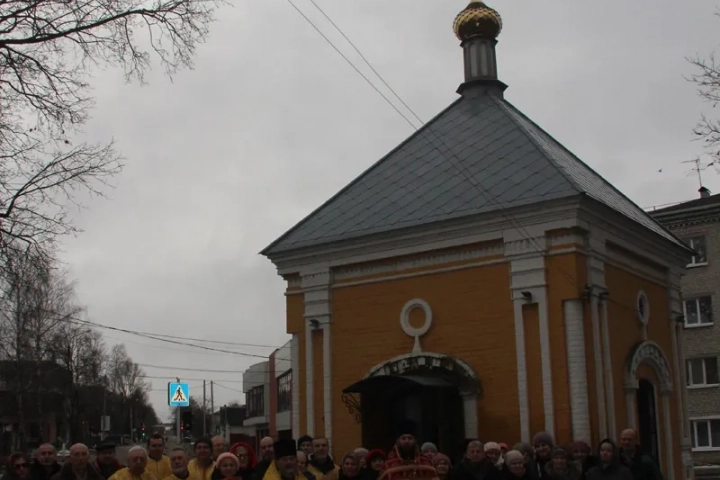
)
(186, 421)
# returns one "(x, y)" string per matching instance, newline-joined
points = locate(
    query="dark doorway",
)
(432, 404)
(647, 419)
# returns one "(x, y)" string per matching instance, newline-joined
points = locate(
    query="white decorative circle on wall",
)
(405, 320)
(642, 306)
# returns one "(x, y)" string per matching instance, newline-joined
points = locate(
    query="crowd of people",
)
(309, 459)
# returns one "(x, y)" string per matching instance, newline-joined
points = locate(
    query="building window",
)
(255, 400)
(284, 392)
(702, 372)
(698, 244)
(706, 434)
(698, 311)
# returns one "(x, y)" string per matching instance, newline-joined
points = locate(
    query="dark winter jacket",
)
(484, 470)
(66, 473)
(107, 471)
(38, 472)
(615, 470)
(642, 466)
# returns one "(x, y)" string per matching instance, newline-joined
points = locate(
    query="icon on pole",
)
(178, 394)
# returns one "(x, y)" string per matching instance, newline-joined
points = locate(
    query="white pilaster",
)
(309, 383)
(295, 362)
(631, 405)
(577, 369)
(521, 370)
(327, 382)
(546, 362)
(667, 427)
(470, 409)
(608, 369)
(528, 286)
(599, 377)
(596, 246)
(316, 287)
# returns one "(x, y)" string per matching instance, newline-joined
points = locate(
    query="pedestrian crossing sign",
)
(178, 394)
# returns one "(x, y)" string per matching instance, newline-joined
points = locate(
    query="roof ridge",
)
(504, 105)
(563, 172)
(361, 175)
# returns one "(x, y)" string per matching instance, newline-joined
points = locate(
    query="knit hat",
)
(560, 452)
(373, 454)
(504, 446)
(543, 437)
(303, 439)
(439, 458)
(228, 456)
(513, 455)
(525, 449)
(489, 446)
(581, 446)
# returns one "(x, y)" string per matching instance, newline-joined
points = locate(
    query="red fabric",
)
(374, 454)
(395, 460)
(250, 450)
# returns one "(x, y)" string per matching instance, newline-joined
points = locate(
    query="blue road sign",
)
(178, 394)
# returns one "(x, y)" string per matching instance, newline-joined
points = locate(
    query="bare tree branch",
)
(48, 49)
(706, 77)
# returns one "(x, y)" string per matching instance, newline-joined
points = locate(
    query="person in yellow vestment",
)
(179, 464)
(157, 463)
(202, 465)
(136, 463)
(284, 467)
(320, 462)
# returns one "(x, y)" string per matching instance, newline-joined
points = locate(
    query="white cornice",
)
(443, 235)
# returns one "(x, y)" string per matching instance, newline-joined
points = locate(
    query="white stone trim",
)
(608, 370)
(428, 359)
(599, 370)
(327, 383)
(432, 259)
(470, 410)
(669, 448)
(309, 383)
(295, 362)
(523, 400)
(546, 362)
(649, 353)
(577, 369)
(435, 271)
(631, 405)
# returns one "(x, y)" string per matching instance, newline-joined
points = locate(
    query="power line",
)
(163, 367)
(228, 388)
(457, 162)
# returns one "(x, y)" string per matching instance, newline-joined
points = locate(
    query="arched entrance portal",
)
(647, 425)
(648, 404)
(437, 392)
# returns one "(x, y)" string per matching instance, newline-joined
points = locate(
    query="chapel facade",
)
(483, 282)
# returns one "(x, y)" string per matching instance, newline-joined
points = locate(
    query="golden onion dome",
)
(477, 20)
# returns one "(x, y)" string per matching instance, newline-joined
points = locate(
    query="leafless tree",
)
(47, 51)
(706, 77)
(35, 300)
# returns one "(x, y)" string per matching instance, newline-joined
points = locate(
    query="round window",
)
(643, 307)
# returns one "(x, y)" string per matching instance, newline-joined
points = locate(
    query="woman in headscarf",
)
(610, 466)
(561, 466)
(582, 454)
(516, 466)
(442, 466)
(528, 454)
(226, 467)
(246, 458)
(350, 467)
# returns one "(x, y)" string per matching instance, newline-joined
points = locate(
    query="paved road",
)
(122, 451)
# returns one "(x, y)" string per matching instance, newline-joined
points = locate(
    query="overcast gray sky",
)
(272, 122)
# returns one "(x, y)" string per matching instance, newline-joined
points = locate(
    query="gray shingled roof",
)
(479, 155)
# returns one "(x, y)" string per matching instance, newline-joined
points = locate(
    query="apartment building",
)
(698, 223)
(268, 388)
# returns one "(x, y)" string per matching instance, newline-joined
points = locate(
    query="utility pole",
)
(212, 407)
(177, 427)
(204, 411)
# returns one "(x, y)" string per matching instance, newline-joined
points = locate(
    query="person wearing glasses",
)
(19, 467)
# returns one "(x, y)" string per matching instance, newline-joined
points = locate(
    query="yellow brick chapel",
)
(483, 282)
